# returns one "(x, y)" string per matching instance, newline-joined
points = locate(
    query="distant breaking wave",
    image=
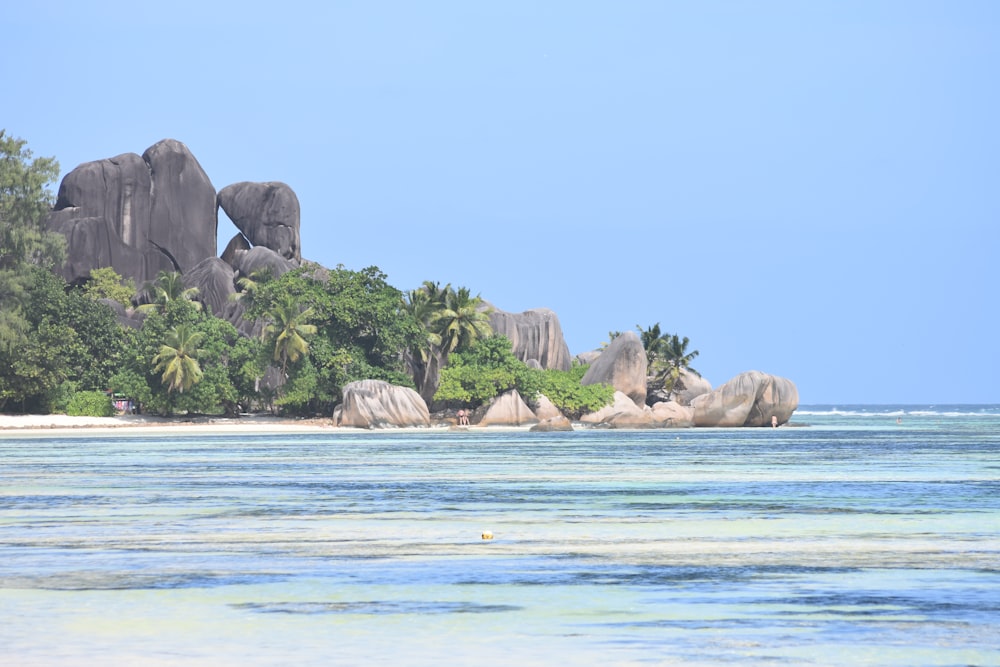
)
(957, 410)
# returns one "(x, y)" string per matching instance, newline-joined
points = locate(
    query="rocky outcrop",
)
(622, 413)
(670, 414)
(749, 399)
(138, 215)
(508, 409)
(214, 280)
(267, 214)
(378, 404)
(535, 334)
(260, 258)
(690, 387)
(559, 423)
(687, 388)
(622, 364)
(544, 408)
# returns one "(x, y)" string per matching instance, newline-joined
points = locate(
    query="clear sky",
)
(807, 188)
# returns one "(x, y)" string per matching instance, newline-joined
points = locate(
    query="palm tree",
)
(168, 286)
(460, 322)
(289, 328)
(250, 284)
(653, 343)
(178, 359)
(678, 361)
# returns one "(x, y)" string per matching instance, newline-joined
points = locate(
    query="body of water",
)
(857, 535)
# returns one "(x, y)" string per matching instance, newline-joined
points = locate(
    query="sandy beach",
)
(20, 425)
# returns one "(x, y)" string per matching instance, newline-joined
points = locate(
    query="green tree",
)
(460, 322)
(653, 342)
(105, 283)
(70, 343)
(168, 287)
(178, 359)
(288, 331)
(482, 372)
(489, 368)
(362, 331)
(677, 361)
(25, 198)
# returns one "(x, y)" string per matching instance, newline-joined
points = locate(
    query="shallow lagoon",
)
(854, 540)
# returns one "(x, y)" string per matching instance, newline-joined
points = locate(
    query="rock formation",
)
(267, 214)
(139, 215)
(535, 334)
(559, 423)
(671, 414)
(622, 413)
(622, 364)
(688, 387)
(259, 258)
(545, 409)
(214, 280)
(749, 399)
(378, 404)
(508, 409)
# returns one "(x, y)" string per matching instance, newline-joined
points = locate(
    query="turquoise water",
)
(851, 539)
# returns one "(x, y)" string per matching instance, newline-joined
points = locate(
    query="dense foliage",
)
(62, 347)
(489, 368)
(90, 404)
(327, 328)
(668, 358)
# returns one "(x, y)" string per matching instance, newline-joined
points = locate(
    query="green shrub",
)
(573, 399)
(90, 404)
(489, 368)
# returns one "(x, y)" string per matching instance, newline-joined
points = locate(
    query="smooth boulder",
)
(671, 414)
(749, 399)
(138, 215)
(508, 409)
(379, 404)
(622, 365)
(267, 214)
(534, 335)
(622, 413)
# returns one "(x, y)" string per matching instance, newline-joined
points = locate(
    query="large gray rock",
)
(261, 258)
(622, 364)
(749, 399)
(267, 214)
(183, 217)
(535, 334)
(508, 409)
(378, 404)
(138, 215)
(214, 280)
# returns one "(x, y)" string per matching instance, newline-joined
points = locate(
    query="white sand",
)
(49, 424)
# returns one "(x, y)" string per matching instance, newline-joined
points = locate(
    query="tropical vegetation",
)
(306, 333)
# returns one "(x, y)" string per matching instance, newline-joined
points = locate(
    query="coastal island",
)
(116, 291)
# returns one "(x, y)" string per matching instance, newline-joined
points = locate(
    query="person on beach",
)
(774, 421)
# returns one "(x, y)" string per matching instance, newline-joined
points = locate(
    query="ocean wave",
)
(899, 410)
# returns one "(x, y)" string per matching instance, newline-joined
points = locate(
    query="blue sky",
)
(810, 189)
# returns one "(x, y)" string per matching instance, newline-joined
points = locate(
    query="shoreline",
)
(48, 425)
